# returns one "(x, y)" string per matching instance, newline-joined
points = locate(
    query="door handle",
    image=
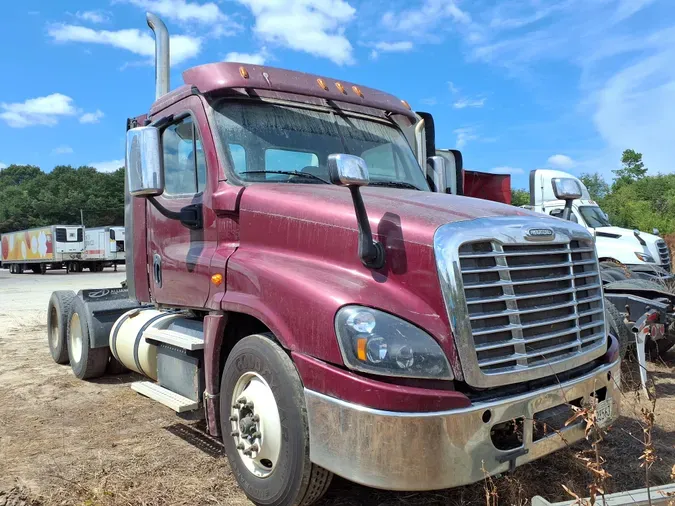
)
(157, 269)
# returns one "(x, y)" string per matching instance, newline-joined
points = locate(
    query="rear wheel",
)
(85, 361)
(617, 327)
(58, 314)
(268, 453)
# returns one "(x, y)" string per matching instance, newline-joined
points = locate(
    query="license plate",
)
(603, 412)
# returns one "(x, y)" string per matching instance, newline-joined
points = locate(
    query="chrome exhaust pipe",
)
(162, 59)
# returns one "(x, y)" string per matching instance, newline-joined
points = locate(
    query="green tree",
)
(633, 168)
(520, 197)
(597, 187)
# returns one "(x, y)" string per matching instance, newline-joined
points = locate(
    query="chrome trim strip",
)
(510, 230)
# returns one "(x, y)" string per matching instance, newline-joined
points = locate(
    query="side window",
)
(184, 160)
(238, 157)
(558, 213)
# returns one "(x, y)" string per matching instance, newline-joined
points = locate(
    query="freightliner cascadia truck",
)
(294, 279)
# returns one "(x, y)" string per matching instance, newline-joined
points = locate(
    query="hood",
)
(621, 244)
(417, 213)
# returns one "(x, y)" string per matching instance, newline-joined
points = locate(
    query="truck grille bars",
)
(664, 254)
(525, 307)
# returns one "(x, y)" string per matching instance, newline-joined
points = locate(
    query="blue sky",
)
(515, 84)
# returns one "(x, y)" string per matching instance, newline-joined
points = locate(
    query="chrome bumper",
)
(430, 451)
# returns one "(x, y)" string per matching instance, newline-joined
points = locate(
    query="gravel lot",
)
(65, 441)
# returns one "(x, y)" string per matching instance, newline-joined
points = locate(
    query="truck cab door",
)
(181, 231)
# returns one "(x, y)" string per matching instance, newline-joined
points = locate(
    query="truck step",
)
(174, 338)
(164, 396)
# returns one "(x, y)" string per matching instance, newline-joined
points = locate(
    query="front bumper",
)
(431, 451)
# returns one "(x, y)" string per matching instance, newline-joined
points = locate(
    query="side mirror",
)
(351, 171)
(347, 170)
(144, 162)
(655, 231)
(565, 188)
(436, 175)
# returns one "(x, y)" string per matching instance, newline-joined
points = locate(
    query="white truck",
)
(103, 247)
(638, 250)
(37, 248)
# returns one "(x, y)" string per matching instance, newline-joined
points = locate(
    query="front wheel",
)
(268, 453)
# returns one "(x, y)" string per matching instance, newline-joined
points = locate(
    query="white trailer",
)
(103, 247)
(53, 246)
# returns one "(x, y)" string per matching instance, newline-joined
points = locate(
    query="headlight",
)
(644, 257)
(378, 343)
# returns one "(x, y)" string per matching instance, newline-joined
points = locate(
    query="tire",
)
(291, 480)
(58, 314)
(616, 325)
(638, 284)
(86, 362)
(35, 268)
(43, 268)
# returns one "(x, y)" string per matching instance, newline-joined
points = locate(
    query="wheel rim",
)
(256, 425)
(54, 329)
(76, 341)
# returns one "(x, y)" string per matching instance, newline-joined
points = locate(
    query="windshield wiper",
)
(289, 172)
(394, 184)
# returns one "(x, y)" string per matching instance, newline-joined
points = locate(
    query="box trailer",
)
(103, 247)
(36, 249)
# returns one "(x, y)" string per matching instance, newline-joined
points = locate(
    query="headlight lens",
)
(376, 342)
(644, 257)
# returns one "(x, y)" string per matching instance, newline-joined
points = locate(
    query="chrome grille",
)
(664, 253)
(532, 304)
(521, 307)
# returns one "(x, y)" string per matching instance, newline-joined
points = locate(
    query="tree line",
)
(31, 198)
(632, 199)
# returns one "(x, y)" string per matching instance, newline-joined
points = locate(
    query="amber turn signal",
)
(217, 279)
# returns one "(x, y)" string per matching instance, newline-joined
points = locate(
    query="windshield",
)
(268, 141)
(594, 216)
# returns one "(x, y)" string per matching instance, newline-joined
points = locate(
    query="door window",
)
(184, 160)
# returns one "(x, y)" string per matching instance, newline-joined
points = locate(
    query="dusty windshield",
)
(268, 141)
(593, 216)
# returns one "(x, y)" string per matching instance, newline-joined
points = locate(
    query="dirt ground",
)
(69, 442)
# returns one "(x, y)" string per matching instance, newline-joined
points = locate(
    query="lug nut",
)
(249, 405)
(247, 452)
(256, 435)
(242, 400)
(240, 446)
(253, 448)
(234, 433)
(256, 418)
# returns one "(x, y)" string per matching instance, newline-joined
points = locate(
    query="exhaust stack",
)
(161, 54)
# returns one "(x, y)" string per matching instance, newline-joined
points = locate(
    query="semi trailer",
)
(103, 247)
(36, 249)
(294, 279)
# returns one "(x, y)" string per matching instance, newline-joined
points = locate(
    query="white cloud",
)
(38, 111)
(92, 117)
(62, 150)
(468, 102)
(93, 16)
(391, 47)
(185, 12)
(506, 170)
(251, 58)
(453, 89)
(312, 26)
(561, 162)
(109, 166)
(464, 135)
(183, 47)
(422, 19)
(3, 165)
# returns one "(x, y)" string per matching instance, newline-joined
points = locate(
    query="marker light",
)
(341, 88)
(243, 72)
(406, 104)
(217, 279)
(357, 91)
(322, 84)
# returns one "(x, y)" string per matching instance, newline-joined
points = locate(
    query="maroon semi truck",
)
(294, 279)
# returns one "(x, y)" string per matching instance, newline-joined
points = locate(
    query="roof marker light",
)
(243, 72)
(406, 104)
(322, 84)
(357, 91)
(341, 88)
